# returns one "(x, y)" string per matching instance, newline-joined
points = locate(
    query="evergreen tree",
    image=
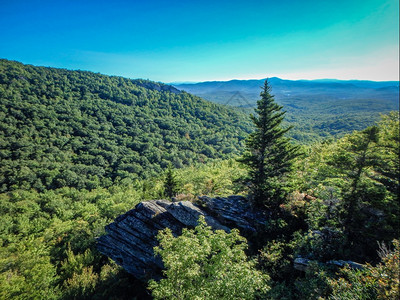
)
(269, 154)
(369, 209)
(361, 155)
(170, 183)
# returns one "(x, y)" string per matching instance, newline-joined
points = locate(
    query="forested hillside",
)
(78, 149)
(318, 109)
(47, 240)
(80, 129)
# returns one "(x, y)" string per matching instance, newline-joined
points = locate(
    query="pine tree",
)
(170, 183)
(356, 158)
(269, 154)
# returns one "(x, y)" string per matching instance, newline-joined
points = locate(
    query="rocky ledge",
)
(130, 239)
(302, 264)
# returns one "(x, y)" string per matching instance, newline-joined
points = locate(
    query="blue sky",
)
(172, 41)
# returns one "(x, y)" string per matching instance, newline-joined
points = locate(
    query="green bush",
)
(379, 282)
(202, 264)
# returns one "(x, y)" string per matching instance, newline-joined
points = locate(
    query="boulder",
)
(130, 239)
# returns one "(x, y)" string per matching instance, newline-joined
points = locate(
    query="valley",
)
(318, 109)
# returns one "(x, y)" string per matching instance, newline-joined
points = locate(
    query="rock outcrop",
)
(302, 264)
(130, 239)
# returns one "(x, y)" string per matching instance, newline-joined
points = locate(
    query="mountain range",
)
(250, 89)
(317, 108)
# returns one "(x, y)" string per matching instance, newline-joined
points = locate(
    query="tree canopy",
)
(80, 129)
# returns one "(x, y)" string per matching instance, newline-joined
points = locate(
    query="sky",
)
(191, 41)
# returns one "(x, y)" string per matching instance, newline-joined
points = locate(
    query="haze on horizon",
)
(207, 40)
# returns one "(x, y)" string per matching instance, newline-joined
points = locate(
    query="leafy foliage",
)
(349, 207)
(217, 178)
(379, 282)
(47, 239)
(48, 244)
(61, 128)
(202, 264)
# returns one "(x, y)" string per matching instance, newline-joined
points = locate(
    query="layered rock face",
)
(130, 239)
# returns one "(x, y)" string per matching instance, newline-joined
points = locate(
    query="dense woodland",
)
(78, 149)
(79, 129)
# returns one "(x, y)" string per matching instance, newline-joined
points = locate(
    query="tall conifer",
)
(269, 154)
(170, 183)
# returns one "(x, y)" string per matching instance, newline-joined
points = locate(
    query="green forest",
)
(78, 149)
(79, 129)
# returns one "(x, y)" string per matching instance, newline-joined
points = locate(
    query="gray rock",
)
(130, 239)
(341, 263)
(234, 212)
(302, 264)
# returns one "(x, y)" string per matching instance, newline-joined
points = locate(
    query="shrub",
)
(202, 264)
